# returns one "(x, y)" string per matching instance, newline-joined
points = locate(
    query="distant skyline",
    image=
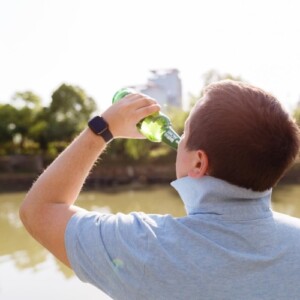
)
(102, 46)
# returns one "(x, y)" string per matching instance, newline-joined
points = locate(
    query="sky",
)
(105, 45)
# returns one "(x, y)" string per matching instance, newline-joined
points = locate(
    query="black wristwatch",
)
(100, 127)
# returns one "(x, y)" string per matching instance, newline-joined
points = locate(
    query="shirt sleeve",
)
(109, 251)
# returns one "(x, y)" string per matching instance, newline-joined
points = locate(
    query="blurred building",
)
(164, 86)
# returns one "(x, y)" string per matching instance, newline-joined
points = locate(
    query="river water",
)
(27, 271)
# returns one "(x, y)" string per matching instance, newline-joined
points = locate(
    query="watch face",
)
(98, 125)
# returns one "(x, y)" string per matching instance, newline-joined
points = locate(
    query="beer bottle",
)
(155, 127)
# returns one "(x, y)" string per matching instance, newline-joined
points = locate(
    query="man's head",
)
(240, 134)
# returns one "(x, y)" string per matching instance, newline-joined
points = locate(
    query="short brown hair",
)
(249, 139)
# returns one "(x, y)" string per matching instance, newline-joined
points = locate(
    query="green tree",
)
(16, 119)
(28, 106)
(38, 132)
(177, 117)
(28, 99)
(69, 112)
(8, 120)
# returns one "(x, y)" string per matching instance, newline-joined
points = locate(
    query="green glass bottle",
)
(155, 127)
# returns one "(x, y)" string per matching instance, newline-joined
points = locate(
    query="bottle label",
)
(171, 138)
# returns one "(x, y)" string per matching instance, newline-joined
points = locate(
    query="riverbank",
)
(108, 175)
(104, 176)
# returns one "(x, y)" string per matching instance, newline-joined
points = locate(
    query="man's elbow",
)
(24, 212)
(28, 213)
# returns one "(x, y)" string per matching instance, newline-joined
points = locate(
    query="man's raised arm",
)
(48, 206)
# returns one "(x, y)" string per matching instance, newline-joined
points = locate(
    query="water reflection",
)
(19, 252)
(286, 199)
(20, 248)
(14, 239)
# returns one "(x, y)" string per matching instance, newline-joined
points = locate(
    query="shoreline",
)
(114, 177)
(103, 177)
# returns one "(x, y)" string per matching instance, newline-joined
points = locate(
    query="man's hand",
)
(48, 206)
(123, 116)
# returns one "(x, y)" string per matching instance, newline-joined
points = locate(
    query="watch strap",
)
(107, 136)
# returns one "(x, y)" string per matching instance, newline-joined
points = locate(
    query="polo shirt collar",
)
(209, 195)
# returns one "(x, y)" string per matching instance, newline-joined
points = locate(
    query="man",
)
(237, 144)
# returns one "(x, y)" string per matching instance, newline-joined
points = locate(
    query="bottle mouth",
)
(121, 94)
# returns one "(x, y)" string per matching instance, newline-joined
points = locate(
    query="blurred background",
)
(62, 61)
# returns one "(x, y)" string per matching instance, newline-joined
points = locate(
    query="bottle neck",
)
(171, 138)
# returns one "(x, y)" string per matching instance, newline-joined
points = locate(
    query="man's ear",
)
(200, 167)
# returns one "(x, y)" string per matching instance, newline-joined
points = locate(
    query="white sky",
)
(104, 45)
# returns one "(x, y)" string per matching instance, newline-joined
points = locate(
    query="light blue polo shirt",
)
(231, 245)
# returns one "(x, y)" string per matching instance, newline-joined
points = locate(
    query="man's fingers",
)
(145, 111)
(136, 101)
(123, 116)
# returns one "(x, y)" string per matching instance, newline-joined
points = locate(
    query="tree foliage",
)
(25, 121)
(26, 126)
(69, 112)
(16, 119)
(8, 120)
